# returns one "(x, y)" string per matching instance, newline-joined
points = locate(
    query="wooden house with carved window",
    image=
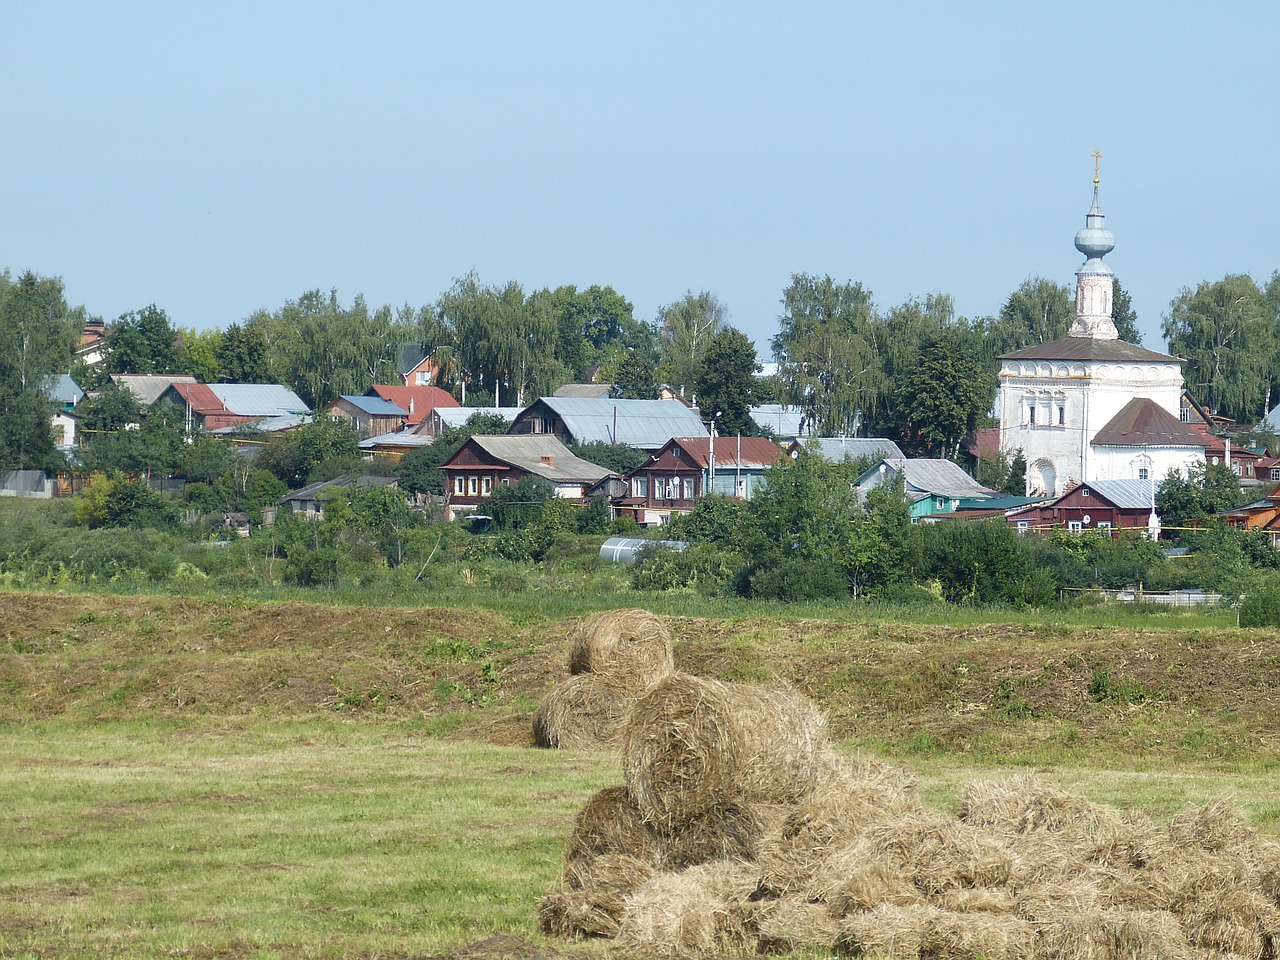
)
(688, 467)
(1100, 506)
(485, 463)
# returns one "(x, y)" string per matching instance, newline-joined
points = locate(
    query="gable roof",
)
(147, 387)
(258, 399)
(938, 477)
(1125, 494)
(199, 398)
(1144, 423)
(61, 389)
(731, 452)
(344, 480)
(374, 406)
(527, 451)
(401, 438)
(647, 424)
(1088, 348)
(836, 449)
(418, 401)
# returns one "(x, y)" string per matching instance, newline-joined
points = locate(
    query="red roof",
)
(1144, 423)
(419, 401)
(200, 398)
(729, 450)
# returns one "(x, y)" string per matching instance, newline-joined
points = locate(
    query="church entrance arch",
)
(1044, 478)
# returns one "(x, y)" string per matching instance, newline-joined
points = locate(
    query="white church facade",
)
(1091, 406)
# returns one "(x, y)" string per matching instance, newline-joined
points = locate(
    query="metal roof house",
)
(225, 406)
(1101, 505)
(369, 416)
(484, 463)
(839, 449)
(931, 486)
(644, 424)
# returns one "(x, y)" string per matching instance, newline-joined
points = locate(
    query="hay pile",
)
(739, 831)
(614, 657)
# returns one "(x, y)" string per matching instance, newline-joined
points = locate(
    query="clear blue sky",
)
(224, 157)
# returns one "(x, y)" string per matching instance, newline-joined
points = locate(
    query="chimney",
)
(548, 459)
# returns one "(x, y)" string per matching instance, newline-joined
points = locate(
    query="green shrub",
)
(799, 579)
(1261, 608)
(706, 569)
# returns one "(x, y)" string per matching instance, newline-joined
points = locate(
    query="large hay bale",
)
(631, 645)
(610, 824)
(887, 931)
(729, 831)
(692, 745)
(1094, 934)
(583, 713)
(787, 926)
(696, 911)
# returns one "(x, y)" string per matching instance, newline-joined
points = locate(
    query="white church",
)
(1091, 406)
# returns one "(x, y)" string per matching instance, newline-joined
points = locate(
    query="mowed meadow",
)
(205, 777)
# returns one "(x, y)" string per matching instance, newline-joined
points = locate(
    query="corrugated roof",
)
(1144, 423)
(286, 421)
(457, 416)
(647, 424)
(1087, 348)
(1125, 494)
(526, 451)
(401, 438)
(583, 389)
(147, 387)
(783, 420)
(61, 389)
(938, 477)
(258, 399)
(374, 406)
(837, 449)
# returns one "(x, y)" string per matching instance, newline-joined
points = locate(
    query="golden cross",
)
(1096, 157)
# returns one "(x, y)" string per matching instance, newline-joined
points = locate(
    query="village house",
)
(1261, 514)
(309, 501)
(689, 467)
(643, 424)
(1104, 506)
(418, 401)
(485, 463)
(931, 486)
(368, 416)
(224, 407)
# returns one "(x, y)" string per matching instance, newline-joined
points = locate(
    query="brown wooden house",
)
(484, 463)
(1103, 506)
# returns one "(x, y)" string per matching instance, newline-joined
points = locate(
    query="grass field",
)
(200, 778)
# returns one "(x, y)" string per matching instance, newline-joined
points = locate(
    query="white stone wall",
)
(1073, 400)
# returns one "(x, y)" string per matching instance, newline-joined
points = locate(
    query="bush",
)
(706, 569)
(1261, 608)
(799, 579)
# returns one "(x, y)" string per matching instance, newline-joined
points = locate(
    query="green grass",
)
(329, 840)
(309, 840)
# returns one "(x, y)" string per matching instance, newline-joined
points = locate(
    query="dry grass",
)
(632, 645)
(583, 712)
(693, 745)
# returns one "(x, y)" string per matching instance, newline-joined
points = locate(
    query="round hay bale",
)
(730, 831)
(583, 713)
(632, 645)
(696, 911)
(610, 824)
(691, 745)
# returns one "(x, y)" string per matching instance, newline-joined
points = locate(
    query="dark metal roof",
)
(1089, 348)
(1144, 423)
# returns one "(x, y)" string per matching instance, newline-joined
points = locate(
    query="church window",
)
(1143, 474)
(1062, 415)
(1031, 415)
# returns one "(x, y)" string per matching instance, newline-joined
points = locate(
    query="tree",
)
(635, 375)
(197, 354)
(38, 333)
(685, 330)
(142, 341)
(1227, 335)
(242, 355)
(941, 397)
(725, 382)
(1205, 489)
(618, 457)
(1123, 314)
(1039, 311)
(828, 351)
(321, 450)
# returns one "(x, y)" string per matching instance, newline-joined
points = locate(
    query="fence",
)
(1171, 598)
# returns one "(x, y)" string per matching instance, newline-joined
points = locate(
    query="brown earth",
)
(1155, 695)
